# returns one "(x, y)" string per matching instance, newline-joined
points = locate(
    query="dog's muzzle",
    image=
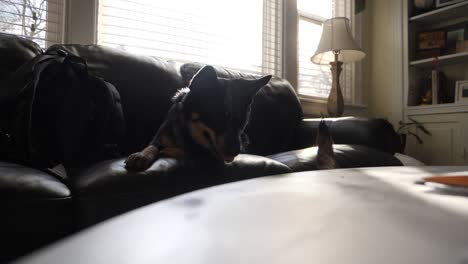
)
(216, 149)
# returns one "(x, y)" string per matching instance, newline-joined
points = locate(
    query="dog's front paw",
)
(139, 161)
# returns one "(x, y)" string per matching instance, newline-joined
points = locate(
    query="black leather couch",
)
(38, 208)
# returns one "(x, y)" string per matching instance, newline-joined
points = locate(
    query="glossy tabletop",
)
(368, 215)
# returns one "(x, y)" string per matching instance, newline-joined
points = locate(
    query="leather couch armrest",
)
(15, 51)
(371, 132)
(347, 156)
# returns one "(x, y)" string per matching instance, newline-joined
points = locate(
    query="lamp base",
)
(335, 103)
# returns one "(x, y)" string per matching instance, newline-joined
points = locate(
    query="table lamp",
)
(336, 46)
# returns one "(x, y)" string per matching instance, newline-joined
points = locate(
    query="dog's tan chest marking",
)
(166, 142)
(174, 152)
(200, 132)
(169, 148)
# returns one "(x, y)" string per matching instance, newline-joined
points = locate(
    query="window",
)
(241, 34)
(38, 20)
(315, 80)
(245, 35)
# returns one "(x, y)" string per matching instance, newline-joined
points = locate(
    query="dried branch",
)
(420, 126)
(420, 141)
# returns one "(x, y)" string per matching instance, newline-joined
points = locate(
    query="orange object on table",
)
(461, 181)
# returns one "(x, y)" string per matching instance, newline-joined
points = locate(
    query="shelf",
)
(436, 109)
(442, 14)
(443, 60)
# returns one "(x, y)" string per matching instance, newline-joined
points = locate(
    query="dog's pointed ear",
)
(205, 78)
(259, 83)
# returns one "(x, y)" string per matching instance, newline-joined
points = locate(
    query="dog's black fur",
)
(207, 120)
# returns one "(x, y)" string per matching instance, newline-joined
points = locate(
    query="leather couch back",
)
(147, 84)
(371, 132)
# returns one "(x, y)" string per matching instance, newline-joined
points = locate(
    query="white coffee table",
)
(369, 215)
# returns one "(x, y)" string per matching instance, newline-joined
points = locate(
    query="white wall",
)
(383, 71)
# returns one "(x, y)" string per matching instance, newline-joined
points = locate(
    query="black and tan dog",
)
(207, 120)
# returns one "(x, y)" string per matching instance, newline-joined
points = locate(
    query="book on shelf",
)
(439, 90)
(435, 86)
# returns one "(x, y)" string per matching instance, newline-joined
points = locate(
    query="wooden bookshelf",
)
(443, 60)
(441, 14)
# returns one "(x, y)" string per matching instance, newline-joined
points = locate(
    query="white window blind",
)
(315, 80)
(272, 50)
(241, 34)
(38, 20)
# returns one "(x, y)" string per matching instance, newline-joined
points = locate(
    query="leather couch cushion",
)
(276, 111)
(20, 182)
(14, 51)
(36, 209)
(167, 175)
(347, 156)
(108, 189)
(372, 132)
(146, 86)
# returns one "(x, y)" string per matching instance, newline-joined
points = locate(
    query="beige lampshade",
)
(336, 36)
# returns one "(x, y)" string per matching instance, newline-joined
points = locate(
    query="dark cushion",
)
(372, 132)
(146, 86)
(15, 51)
(347, 156)
(107, 188)
(20, 182)
(275, 113)
(36, 209)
